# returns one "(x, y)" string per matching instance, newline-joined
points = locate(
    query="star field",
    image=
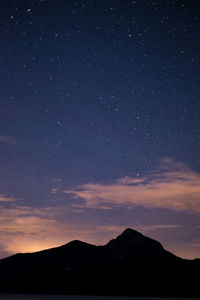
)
(94, 92)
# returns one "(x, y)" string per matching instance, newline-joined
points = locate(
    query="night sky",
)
(99, 122)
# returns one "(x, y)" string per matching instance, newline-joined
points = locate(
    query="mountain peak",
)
(129, 265)
(128, 232)
(133, 243)
(130, 235)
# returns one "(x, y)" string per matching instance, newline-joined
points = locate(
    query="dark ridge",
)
(77, 243)
(130, 232)
(130, 265)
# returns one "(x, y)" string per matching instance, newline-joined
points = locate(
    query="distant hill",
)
(131, 264)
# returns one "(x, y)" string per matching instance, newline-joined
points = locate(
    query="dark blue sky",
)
(93, 92)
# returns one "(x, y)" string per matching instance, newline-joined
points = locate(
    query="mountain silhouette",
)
(131, 264)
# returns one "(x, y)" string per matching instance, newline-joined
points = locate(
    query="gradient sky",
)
(99, 122)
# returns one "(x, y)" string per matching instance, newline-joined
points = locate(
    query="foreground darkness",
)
(131, 264)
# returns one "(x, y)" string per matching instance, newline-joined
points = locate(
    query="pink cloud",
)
(27, 229)
(5, 198)
(173, 186)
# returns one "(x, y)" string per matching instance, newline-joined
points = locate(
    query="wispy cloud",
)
(24, 229)
(5, 198)
(173, 186)
(196, 243)
(27, 229)
(9, 140)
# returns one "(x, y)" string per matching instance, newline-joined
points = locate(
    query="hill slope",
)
(131, 264)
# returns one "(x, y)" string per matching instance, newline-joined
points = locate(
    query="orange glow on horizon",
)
(28, 245)
(173, 188)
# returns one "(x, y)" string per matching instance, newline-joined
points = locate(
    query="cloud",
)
(9, 140)
(25, 229)
(5, 198)
(195, 243)
(28, 229)
(172, 186)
